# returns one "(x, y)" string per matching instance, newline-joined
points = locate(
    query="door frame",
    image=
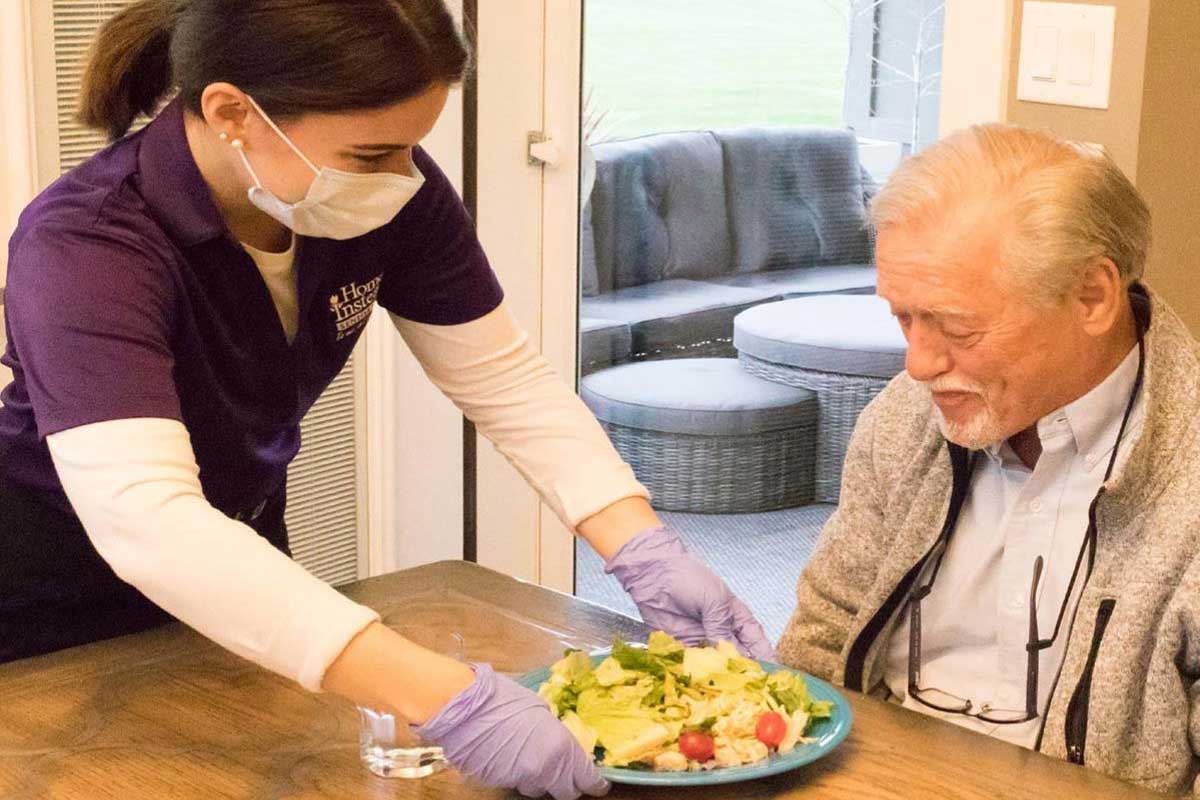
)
(529, 57)
(563, 91)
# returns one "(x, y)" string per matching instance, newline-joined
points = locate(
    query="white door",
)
(527, 214)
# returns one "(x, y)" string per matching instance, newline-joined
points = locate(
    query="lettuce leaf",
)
(618, 721)
(664, 646)
(820, 708)
(636, 658)
(789, 691)
(559, 696)
(582, 732)
(733, 682)
(571, 667)
(610, 672)
(701, 662)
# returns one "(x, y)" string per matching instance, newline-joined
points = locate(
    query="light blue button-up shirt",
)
(975, 622)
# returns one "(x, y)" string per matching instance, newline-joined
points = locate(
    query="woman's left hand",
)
(675, 592)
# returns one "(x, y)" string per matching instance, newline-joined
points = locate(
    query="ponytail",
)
(129, 67)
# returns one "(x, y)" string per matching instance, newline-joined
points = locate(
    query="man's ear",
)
(1098, 296)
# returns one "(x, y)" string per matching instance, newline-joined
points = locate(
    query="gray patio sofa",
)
(685, 230)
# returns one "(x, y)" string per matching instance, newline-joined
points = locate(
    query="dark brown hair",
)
(292, 56)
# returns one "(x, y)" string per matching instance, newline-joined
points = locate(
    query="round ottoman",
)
(844, 347)
(704, 436)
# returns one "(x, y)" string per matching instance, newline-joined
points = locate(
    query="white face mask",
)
(338, 205)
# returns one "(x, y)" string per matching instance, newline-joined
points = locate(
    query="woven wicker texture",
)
(723, 474)
(841, 398)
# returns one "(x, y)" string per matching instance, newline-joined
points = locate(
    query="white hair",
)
(1066, 205)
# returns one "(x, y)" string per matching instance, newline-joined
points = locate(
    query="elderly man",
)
(1017, 548)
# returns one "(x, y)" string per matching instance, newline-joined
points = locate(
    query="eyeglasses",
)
(951, 703)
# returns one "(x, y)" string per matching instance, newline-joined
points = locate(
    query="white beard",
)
(980, 431)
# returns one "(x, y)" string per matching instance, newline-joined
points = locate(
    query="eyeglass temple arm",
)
(1035, 645)
(1087, 546)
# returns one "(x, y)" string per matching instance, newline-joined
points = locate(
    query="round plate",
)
(828, 733)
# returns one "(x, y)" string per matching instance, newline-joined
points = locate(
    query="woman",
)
(179, 301)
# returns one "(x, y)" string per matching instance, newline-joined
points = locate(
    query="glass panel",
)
(692, 64)
(728, 337)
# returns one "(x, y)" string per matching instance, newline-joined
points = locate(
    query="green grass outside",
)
(663, 65)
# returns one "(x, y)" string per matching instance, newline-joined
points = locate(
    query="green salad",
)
(673, 708)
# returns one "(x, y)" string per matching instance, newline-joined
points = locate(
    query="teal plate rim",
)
(829, 734)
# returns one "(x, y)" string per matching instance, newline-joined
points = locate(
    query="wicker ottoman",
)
(844, 347)
(707, 437)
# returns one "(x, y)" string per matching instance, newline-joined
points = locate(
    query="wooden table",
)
(167, 714)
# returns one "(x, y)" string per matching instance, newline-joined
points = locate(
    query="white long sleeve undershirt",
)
(492, 372)
(135, 486)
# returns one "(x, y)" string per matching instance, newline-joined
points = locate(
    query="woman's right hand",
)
(488, 726)
(504, 735)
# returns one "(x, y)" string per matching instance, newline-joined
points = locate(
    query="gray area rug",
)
(759, 555)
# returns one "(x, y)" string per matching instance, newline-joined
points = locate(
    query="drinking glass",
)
(387, 745)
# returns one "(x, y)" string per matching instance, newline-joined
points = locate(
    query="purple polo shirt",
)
(128, 297)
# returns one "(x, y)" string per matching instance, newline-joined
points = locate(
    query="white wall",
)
(975, 55)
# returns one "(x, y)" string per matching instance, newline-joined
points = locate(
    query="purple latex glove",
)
(677, 593)
(504, 735)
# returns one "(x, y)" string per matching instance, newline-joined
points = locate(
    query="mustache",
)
(945, 384)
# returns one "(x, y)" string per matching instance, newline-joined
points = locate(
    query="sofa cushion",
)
(658, 210)
(589, 278)
(699, 396)
(844, 279)
(602, 343)
(671, 316)
(795, 197)
(843, 334)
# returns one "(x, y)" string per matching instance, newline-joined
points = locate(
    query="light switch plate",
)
(1079, 71)
(1043, 65)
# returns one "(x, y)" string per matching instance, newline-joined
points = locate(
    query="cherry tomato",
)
(770, 729)
(696, 746)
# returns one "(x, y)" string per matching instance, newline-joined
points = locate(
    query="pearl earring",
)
(222, 136)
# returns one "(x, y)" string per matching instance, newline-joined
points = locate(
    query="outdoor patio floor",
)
(760, 556)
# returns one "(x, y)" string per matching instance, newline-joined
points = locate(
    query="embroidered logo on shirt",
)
(352, 305)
